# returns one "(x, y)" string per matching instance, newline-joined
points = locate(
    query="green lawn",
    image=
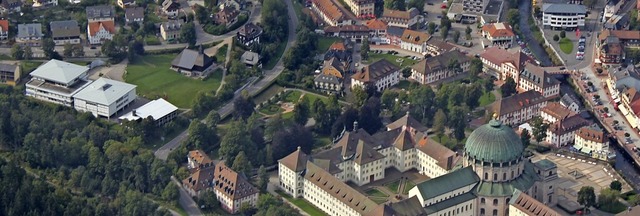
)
(321, 141)
(378, 200)
(393, 186)
(274, 60)
(303, 204)
(486, 99)
(407, 186)
(373, 57)
(325, 42)
(271, 109)
(375, 193)
(154, 78)
(292, 96)
(404, 84)
(28, 66)
(222, 53)
(566, 45)
(313, 97)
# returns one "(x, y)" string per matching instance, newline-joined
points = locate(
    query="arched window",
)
(495, 201)
(482, 200)
(486, 176)
(482, 211)
(550, 172)
(495, 176)
(495, 212)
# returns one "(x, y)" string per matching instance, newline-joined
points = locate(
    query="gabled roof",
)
(29, 30)
(531, 206)
(59, 71)
(395, 31)
(100, 12)
(538, 76)
(415, 37)
(375, 71)
(568, 99)
(104, 91)
(498, 56)
(296, 161)
(66, 28)
(94, 27)
(8, 67)
(249, 57)
(231, 184)
(201, 179)
(498, 30)
(440, 62)
(376, 24)
(408, 207)
(171, 25)
(592, 134)
(339, 190)
(333, 67)
(620, 34)
(556, 110)
(398, 14)
(346, 28)
(517, 102)
(200, 157)
(338, 46)
(190, 58)
(250, 30)
(4, 25)
(155, 109)
(447, 183)
(134, 13)
(407, 121)
(440, 45)
(444, 157)
(170, 5)
(329, 9)
(572, 123)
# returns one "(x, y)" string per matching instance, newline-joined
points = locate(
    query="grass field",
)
(292, 96)
(407, 186)
(393, 186)
(222, 53)
(374, 57)
(155, 79)
(325, 42)
(566, 45)
(28, 66)
(376, 193)
(303, 204)
(486, 99)
(279, 52)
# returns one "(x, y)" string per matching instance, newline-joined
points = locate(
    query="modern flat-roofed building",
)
(57, 82)
(104, 97)
(563, 16)
(160, 110)
(65, 32)
(9, 73)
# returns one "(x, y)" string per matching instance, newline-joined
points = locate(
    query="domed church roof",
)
(494, 142)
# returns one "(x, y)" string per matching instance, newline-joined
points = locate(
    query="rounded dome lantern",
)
(494, 142)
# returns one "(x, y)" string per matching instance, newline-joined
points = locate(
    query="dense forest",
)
(77, 164)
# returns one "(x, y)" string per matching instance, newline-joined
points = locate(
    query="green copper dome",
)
(494, 142)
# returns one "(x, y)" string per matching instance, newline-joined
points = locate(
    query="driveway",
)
(187, 203)
(114, 72)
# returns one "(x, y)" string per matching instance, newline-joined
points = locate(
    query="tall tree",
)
(395, 4)
(539, 128)
(78, 50)
(431, 28)
(456, 36)
(513, 16)
(68, 50)
(467, 32)
(444, 32)
(208, 200)
(422, 101)
(28, 53)
(608, 198)
(525, 137)
(263, 180)
(616, 185)
(439, 122)
(301, 112)
(48, 47)
(586, 197)
(369, 115)
(475, 69)
(241, 164)
(360, 96)
(234, 141)
(508, 88)
(243, 106)
(364, 49)
(171, 192)
(188, 33)
(457, 122)
(17, 52)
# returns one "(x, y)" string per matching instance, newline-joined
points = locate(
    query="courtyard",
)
(393, 188)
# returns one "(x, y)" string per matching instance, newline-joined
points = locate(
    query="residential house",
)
(361, 8)
(554, 112)
(610, 51)
(65, 32)
(57, 82)
(563, 131)
(394, 35)
(44, 3)
(620, 79)
(502, 63)
(436, 47)
(100, 13)
(498, 34)
(377, 29)
(519, 108)
(126, 3)
(630, 106)
(170, 30)
(170, 8)
(355, 33)
(380, 75)
(251, 59)
(441, 68)
(104, 97)
(10, 73)
(227, 16)
(403, 19)
(4, 29)
(331, 77)
(235, 4)
(249, 34)
(233, 189)
(193, 63)
(339, 51)
(534, 77)
(329, 13)
(571, 102)
(201, 178)
(628, 38)
(134, 14)
(524, 205)
(415, 41)
(98, 32)
(594, 142)
(159, 110)
(29, 34)
(10, 6)
(563, 16)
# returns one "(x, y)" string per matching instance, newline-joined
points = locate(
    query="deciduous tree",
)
(616, 185)
(439, 122)
(48, 47)
(17, 52)
(301, 112)
(508, 88)
(263, 180)
(364, 49)
(539, 128)
(586, 197)
(188, 34)
(68, 50)
(525, 137)
(456, 36)
(241, 164)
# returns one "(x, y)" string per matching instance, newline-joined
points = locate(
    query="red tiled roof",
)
(499, 56)
(4, 24)
(415, 37)
(329, 9)
(376, 24)
(498, 30)
(232, 184)
(107, 25)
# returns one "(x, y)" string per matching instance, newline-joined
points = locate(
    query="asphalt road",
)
(187, 203)
(534, 46)
(163, 152)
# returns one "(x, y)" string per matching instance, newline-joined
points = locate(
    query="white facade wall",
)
(418, 48)
(105, 110)
(360, 9)
(62, 42)
(598, 150)
(560, 140)
(381, 84)
(522, 115)
(463, 209)
(49, 96)
(44, 3)
(171, 13)
(550, 91)
(290, 182)
(565, 20)
(325, 201)
(547, 117)
(428, 166)
(100, 35)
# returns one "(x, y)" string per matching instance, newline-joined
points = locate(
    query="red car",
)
(443, 6)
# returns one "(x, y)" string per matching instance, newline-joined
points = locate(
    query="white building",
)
(40, 3)
(415, 41)
(554, 112)
(57, 82)
(404, 19)
(563, 131)
(571, 102)
(437, 69)
(502, 63)
(499, 34)
(160, 110)
(563, 16)
(104, 97)
(361, 7)
(98, 32)
(202, 170)
(519, 108)
(535, 78)
(171, 8)
(460, 184)
(329, 13)
(29, 34)
(592, 141)
(233, 189)
(381, 75)
(170, 30)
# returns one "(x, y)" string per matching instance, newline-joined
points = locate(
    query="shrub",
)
(556, 38)
(152, 41)
(563, 34)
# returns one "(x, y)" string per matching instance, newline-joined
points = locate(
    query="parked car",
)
(582, 39)
(429, 3)
(562, 68)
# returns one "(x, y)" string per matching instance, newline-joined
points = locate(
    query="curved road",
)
(537, 49)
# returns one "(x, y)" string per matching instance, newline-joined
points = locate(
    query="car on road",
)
(439, 16)
(562, 68)
(429, 3)
(443, 6)
(582, 39)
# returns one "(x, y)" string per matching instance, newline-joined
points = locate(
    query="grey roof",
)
(250, 30)
(449, 202)
(395, 31)
(29, 30)
(171, 25)
(538, 76)
(59, 71)
(104, 91)
(564, 8)
(545, 164)
(324, 78)
(8, 67)
(568, 99)
(440, 62)
(170, 5)
(447, 183)
(134, 13)
(100, 11)
(66, 28)
(249, 57)
(191, 58)
(408, 207)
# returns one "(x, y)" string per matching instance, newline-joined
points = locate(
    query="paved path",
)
(114, 72)
(163, 152)
(187, 203)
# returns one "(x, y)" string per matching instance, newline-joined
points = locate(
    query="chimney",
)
(355, 126)
(133, 112)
